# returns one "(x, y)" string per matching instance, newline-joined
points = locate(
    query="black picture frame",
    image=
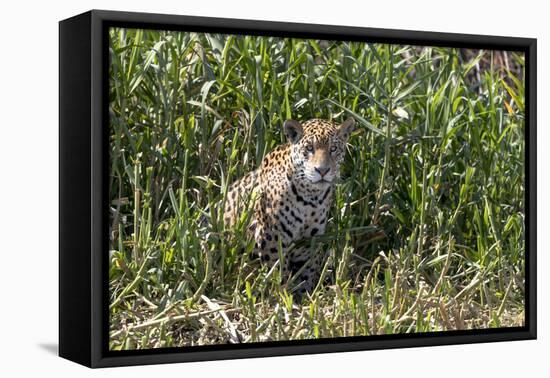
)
(83, 266)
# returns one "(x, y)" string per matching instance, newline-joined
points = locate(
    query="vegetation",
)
(427, 229)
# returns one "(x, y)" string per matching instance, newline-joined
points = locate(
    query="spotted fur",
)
(292, 194)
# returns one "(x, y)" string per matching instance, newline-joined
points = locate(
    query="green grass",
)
(427, 229)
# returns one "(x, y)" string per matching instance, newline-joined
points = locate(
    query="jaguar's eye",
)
(333, 149)
(309, 148)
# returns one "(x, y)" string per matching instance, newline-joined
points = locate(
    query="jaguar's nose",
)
(322, 170)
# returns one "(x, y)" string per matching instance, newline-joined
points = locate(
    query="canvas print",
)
(266, 189)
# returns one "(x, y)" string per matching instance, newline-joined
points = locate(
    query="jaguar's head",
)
(318, 148)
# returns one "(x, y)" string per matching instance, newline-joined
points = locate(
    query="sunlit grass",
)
(427, 228)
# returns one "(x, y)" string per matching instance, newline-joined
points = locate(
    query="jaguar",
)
(292, 192)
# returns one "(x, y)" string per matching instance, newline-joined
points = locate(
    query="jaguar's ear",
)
(293, 130)
(346, 128)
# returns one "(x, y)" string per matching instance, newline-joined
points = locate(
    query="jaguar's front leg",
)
(305, 264)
